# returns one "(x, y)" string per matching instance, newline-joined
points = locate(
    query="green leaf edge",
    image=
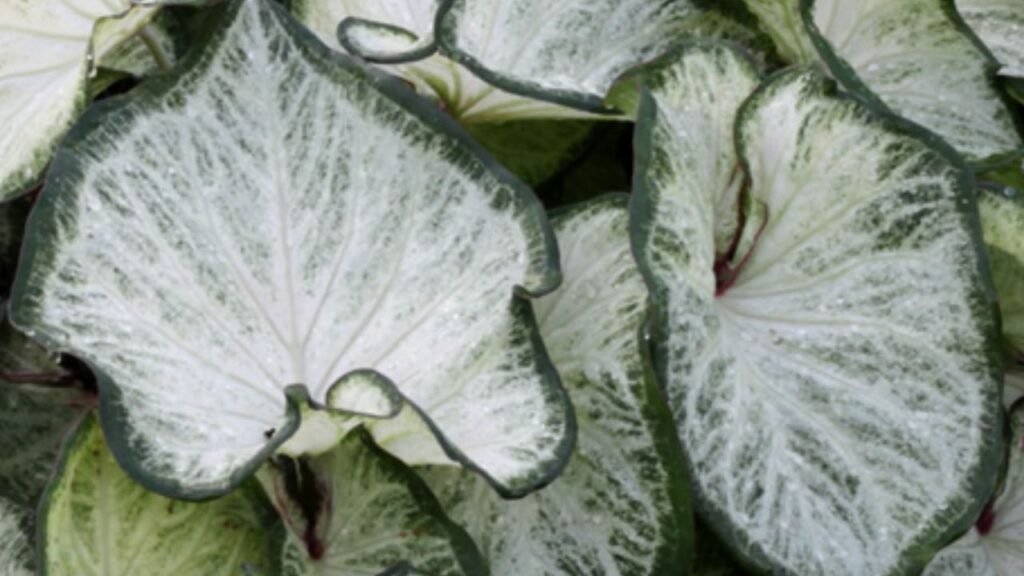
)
(983, 485)
(113, 415)
(850, 80)
(680, 547)
(466, 551)
(444, 38)
(346, 25)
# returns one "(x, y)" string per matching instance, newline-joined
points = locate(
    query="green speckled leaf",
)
(781, 20)
(15, 549)
(995, 545)
(1000, 25)
(219, 223)
(1002, 221)
(96, 521)
(918, 59)
(455, 88)
(44, 70)
(559, 51)
(622, 505)
(375, 513)
(837, 411)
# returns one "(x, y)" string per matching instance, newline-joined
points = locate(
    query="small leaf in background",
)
(622, 505)
(836, 390)
(44, 72)
(373, 513)
(995, 545)
(96, 521)
(1002, 223)
(916, 58)
(534, 150)
(218, 223)
(781, 20)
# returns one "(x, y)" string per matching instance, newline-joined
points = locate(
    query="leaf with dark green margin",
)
(1000, 25)
(373, 513)
(622, 506)
(838, 412)
(96, 521)
(219, 222)
(1002, 223)
(46, 50)
(918, 59)
(534, 150)
(15, 548)
(994, 546)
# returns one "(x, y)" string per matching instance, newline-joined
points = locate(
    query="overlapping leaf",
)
(995, 545)
(96, 521)
(1002, 220)
(373, 514)
(215, 237)
(1000, 25)
(918, 59)
(46, 50)
(836, 385)
(621, 507)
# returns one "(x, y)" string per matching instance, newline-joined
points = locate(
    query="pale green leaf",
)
(373, 513)
(839, 412)
(45, 52)
(219, 223)
(918, 59)
(621, 507)
(781, 20)
(995, 545)
(1002, 222)
(96, 521)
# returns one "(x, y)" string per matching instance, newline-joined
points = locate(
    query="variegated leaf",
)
(460, 92)
(622, 505)
(1002, 222)
(839, 413)
(1000, 25)
(96, 521)
(995, 545)
(918, 59)
(219, 223)
(46, 49)
(781, 20)
(15, 549)
(372, 513)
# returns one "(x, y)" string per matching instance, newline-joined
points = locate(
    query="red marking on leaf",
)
(987, 520)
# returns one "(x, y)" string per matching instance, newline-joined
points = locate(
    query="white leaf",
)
(916, 58)
(1000, 25)
(15, 549)
(216, 236)
(45, 51)
(622, 506)
(838, 410)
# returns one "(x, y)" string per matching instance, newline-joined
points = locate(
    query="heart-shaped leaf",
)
(1002, 222)
(918, 59)
(47, 49)
(995, 545)
(1000, 25)
(96, 521)
(622, 505)
(215, 237)
(370, 513)
(836, 386)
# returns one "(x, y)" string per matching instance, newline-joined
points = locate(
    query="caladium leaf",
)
(918, 59)
(96, 521)
(781, 20)
(995, 545)
(622, 505)
(1000, 25)
(371, 514)
(558, 51)
(218, 223)
(459, 91)
(1002, 222)
(47, 49)
(838, 413)
(15, 549)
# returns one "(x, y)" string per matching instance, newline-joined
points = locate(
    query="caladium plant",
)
(302, 292)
